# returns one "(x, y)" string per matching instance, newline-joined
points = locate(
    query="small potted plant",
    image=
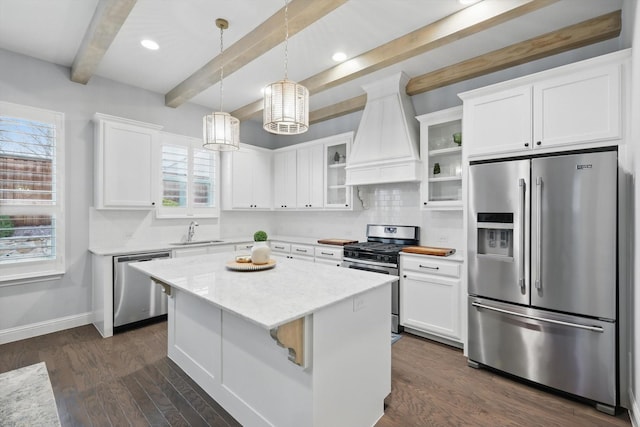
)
(260, 252)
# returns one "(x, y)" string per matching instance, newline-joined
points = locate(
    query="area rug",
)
(26, 398)
(395, 337)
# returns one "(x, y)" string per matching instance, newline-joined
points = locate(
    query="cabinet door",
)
(284, 179)
(431, 304)
(129, 173)
(261, 180)
(498, 123)
(441, 186)
(310, 177)
(582, 107)
(242, 179)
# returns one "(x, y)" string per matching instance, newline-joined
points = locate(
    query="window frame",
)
(34, 269)
(189, 211)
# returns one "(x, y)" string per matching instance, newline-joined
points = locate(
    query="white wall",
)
(25, 80)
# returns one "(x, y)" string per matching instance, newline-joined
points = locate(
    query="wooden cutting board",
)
(429, 250)
(337, 242)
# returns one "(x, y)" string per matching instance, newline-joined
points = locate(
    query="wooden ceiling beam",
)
(468, 21)
(269, 34)
(105, 24)
(582, 34)
(585, 33)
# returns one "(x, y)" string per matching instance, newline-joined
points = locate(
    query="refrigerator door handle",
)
(523, 190)
(538, 232)
(540, 319)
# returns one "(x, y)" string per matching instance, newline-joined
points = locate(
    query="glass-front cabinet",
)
(441, 150)
(337, 194)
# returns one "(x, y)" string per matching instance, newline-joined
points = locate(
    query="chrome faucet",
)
(192, 230)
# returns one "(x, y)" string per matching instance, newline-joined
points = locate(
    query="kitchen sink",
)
(197, 242)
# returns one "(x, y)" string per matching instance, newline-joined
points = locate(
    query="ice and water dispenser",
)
(495, 234)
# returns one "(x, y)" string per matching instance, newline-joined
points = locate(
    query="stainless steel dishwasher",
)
(135, 297)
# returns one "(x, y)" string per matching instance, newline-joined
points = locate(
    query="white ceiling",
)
(53, 30)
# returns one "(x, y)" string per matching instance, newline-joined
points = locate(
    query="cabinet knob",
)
(539, 143)
(404, 276)
(153, 203)
(526, 144)
(424, 203)
(346, 206)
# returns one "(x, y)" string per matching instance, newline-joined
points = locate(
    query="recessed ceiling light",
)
(339, 56)
(150, 44)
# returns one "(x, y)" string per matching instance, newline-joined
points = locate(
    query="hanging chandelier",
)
(221, 131)
(286, 103)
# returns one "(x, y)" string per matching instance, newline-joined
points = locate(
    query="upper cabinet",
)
(312, 175)
(441, 186)
(568, 107)
(309, 184)
(336, 151)
(284, 176)
(246, 178)
(126, 171)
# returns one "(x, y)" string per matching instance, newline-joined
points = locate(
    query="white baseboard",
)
(634, 410)
(41, 328)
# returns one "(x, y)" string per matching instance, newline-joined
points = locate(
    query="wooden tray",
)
(429, 250)
(249, 266)
(337, 242)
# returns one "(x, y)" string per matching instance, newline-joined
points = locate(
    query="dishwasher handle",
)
(142, 257)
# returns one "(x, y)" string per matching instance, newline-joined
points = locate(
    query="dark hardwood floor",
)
(128, 380)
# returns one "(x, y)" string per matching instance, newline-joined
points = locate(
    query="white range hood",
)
(386, 146)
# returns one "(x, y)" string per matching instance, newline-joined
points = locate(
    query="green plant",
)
(169, 202)
(260, 236)
(6, 226)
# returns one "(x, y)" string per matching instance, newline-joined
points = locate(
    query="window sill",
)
(23, 279)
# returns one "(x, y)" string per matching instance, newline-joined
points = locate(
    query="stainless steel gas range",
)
(380, 254)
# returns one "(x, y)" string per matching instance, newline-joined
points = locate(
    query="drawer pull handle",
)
(327, 253)
(429, 267)
(279, 247)
(301, 250)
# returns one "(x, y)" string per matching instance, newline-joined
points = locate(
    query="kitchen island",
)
(300, 344)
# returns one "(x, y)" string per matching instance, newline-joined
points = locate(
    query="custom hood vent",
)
(386, 147)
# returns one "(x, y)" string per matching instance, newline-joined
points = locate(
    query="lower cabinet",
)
(430, 292)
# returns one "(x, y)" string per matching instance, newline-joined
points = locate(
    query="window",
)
(31, 192)
(189, 178)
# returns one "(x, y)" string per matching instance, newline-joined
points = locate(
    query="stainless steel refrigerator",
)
(543, 271)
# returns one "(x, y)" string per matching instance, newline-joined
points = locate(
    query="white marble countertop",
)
(138, 247)
(269, 298)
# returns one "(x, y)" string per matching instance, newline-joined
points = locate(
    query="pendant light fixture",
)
(221, 131)
(286, 103)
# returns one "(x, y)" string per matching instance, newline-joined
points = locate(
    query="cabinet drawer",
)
(431, 266)
(244, 246)
(281, 247)
(331, 253)
(297, 249)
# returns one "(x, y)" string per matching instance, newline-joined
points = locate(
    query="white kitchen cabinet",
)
(280, 249)
(328, 255)
(441, 186)
(125, 163)
(310, 177)
(246, 178)
(337, 194)
(562, 108)
(430, 297)
(284, 179)
(302, 252)
(243, 247)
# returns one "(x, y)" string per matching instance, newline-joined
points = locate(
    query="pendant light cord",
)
(221, 66)
(286, 39)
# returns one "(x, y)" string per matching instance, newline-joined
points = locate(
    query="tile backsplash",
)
(397, 204)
